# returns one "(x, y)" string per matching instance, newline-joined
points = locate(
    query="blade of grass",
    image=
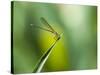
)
(43, 59)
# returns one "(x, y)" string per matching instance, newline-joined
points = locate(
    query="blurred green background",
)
(76, 50)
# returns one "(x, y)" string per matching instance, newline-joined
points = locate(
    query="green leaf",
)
(44, 58)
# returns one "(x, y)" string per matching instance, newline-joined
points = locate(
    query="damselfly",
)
(49, 28)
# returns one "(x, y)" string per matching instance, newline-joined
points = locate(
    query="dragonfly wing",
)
(41, 28)
(46, 23)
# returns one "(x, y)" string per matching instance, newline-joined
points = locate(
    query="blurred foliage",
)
(76, 50)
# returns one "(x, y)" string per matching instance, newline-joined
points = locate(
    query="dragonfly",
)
(49, 28)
